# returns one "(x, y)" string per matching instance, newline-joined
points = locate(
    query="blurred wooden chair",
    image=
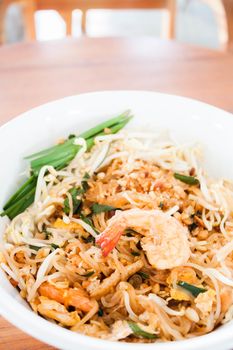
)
(223, 11)
(169, 5)
(65, 8)
(28, 10)
(29, 7)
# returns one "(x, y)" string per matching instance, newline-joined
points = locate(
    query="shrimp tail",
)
(109, 238)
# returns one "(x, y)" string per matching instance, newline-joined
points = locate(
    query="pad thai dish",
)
(121, 235)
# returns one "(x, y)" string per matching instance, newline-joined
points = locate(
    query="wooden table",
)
(34, 73)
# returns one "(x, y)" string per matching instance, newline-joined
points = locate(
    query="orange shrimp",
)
(165, 240)
(69, 296)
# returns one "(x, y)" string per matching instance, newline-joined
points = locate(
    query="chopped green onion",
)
(139, 332)
(47, 234)
(74, 193)
(192, 226)
(195, 291)
(89, 239)
(143, 275)
(161, 205)
(54, 246)
(34, 247)
(76, 202)
(88, 221)
(189, 180)
(84, 182)
(85, 186)
(99, 208)
(88, 274)
(100, 312)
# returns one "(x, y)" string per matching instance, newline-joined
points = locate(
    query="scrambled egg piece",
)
(185, 274)
(120, 330)
(179, 295)
(204, 301)
(72, 226)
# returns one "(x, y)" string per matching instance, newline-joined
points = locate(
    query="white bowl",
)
(188, 120)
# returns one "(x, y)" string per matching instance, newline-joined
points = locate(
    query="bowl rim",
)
(44, 330)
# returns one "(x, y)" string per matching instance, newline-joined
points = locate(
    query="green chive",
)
(107, 124)
(84, 182)
(52, 149)
(58, 156)
(88, 274)
(24, 189)
(20, 205)
(139, 332)
(88, 221)
(89, 239)
(144, 275)
(100, 312)
(99, 208)
(135, 253)
(161, 205)
(86, 176)
(189, 180)
(76, 202)
(54, 246)
(47, 234)
(195, 291)
(66, 152)
(192, 226)
(34, 247)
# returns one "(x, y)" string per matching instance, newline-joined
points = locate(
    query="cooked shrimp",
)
(68, 296)
(165, 240)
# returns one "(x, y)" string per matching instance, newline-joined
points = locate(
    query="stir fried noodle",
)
(131, 241)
